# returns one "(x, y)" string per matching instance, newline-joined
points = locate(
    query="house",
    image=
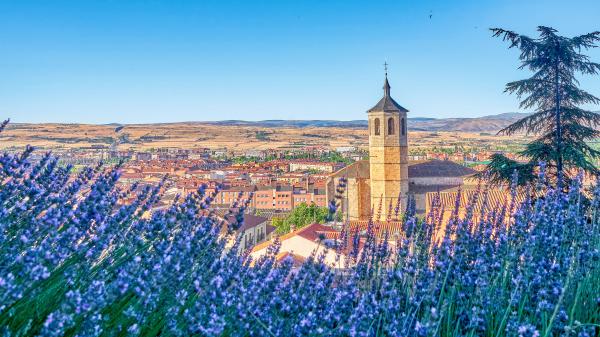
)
(254, 230)
(304, 242)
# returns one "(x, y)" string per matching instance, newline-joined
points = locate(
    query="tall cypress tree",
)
(561, 126)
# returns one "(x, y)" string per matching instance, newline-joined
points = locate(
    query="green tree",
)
(300, 216)
(561, 126)
(280, 225)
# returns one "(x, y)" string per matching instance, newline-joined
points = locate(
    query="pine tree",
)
(561, 126)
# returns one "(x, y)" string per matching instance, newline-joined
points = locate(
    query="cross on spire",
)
(386, 85)
(386, 103)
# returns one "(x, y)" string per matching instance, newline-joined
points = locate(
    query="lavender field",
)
(74, 261)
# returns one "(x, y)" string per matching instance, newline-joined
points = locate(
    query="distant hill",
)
(506, 115)
(295, 123)
(491, 123)
(248, 135)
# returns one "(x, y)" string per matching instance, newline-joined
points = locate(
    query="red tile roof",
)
(380, 228)
(314, 231)
(311, 232)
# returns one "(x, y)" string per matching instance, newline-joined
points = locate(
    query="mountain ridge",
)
(488, 123)
(483, 124)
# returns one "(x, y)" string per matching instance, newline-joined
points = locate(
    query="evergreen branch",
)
(501, 170)
(586, 41)
(527, 45)
(530, 124)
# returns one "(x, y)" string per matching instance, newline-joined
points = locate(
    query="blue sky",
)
(168, 61)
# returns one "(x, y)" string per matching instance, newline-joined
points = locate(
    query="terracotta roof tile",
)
(380, 228)
(311, 232)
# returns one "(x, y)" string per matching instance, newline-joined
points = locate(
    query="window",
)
(377, 127)
(403, 126)
(390, 126)
(260, 236)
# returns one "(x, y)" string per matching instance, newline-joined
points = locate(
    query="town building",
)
(314, 166)
(314, 239)
(253, 230)
(387, 179)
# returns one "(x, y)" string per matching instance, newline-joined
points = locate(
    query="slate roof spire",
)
(386, 84)
(387, 103)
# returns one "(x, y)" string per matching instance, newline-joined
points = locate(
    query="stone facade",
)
(356, 197)
(374, 186)
(388, 159)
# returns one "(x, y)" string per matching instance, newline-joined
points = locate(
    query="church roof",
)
(423, 189)
(438, 168)
(358, 169)
(433, 168)
(387, 103)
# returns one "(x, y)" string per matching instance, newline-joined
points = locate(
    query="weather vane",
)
(385, 64)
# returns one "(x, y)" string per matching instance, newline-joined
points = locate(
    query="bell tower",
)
(388, 153)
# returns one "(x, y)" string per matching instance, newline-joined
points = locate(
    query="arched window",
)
(377, 127)
(390, 126)
(403, 126)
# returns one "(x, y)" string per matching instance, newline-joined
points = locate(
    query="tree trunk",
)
(559, 163)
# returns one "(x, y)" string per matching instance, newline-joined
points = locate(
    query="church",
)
(375, 186)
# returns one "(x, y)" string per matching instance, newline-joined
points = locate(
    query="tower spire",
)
(386, 84)
(387, 103)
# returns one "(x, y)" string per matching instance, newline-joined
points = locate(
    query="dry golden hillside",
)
(206, 135)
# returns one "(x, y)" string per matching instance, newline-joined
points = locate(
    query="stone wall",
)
(388, 162)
